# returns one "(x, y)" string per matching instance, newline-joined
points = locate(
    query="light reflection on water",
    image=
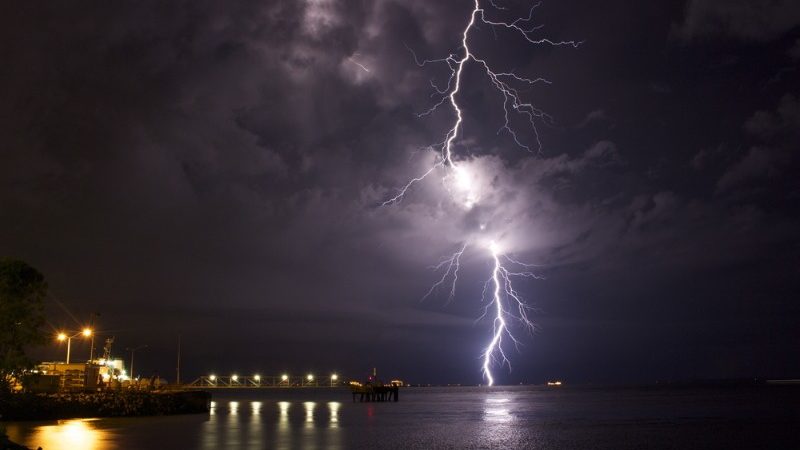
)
(436, 418)
(252, 424)
(334, 408)
(283, 436)
(496, 410)
(231, 433)
(309, 407)
(76, 433)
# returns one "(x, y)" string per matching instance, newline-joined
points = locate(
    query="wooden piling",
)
(370, 393)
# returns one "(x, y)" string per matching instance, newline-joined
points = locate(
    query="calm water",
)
(569, 418)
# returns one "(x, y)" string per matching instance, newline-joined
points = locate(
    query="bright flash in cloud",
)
(503, 302)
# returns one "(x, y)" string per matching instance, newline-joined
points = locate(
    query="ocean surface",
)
(766, 417)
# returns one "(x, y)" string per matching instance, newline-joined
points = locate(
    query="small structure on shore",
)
(374, 390)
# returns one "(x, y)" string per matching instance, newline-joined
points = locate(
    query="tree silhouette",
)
(22, 292)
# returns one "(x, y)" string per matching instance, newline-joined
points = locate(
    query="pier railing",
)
(260, 381)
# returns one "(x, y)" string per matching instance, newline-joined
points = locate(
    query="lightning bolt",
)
(507, 304)
(504, 302)
(353, 60)
(512, 100)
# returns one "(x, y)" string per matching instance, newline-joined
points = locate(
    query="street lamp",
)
(334, 377)
(86, 332)
(133, 352)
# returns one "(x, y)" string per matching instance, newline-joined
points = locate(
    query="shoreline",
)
(34, 407)
(8, 444)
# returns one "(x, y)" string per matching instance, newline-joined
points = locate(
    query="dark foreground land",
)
(27, 407)
(5, 444)
(102, 404)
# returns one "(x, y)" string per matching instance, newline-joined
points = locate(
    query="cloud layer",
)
(215, 170)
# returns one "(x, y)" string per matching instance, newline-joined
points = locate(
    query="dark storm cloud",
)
(215, 170)
(758, 20)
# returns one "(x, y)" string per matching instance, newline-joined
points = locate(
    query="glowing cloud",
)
(462, 181)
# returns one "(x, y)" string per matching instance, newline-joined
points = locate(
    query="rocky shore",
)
(102, 404)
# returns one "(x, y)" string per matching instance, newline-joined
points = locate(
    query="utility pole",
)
(91, 324)
(178, 368)
(69, 346)
(133, 352)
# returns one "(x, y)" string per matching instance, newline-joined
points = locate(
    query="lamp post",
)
(133, 352)
(91, 324)
(86, 332)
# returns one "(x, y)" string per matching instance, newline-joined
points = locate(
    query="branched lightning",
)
(353, 60)
(507, 304)
(504, 302)
(451, 265)
(512, 101)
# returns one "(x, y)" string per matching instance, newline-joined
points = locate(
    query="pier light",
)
(257, 377)
(334, 377)
(284, 377)
(234, 377)
(212, 377)
(310, 377)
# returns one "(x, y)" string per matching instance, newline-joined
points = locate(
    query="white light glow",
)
(504, 303)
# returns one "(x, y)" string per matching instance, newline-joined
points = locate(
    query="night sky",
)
(215, 169)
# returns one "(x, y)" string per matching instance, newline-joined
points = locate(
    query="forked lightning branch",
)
(503, 303)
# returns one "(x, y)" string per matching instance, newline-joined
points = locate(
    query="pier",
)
(263, 382)
(372, 390)
(369, 393)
